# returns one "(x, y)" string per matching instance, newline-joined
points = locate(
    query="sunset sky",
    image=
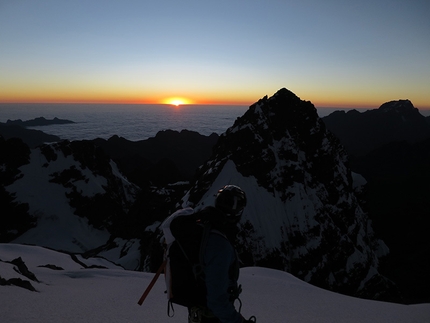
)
(333, 53)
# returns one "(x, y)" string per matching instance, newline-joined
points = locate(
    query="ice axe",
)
(151, 284)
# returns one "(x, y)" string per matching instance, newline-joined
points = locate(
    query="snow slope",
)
(49, 203)
(73, 191)
(76, 294)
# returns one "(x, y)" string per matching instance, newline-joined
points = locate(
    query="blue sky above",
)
(328, 52)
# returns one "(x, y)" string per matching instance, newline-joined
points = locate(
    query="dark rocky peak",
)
(302, 213)
(283, 111)
(402, 113)
(400, 106)
(360, 133)
(278, 140)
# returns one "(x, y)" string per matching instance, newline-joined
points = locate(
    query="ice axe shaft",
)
(151, 284)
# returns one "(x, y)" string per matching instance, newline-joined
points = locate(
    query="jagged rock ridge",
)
(302, 215)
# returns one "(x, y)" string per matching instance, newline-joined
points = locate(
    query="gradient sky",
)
(332, 52)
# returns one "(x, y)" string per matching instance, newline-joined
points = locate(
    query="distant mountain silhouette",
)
(390, 147)
(168, 157)
(360, 133)
(41, 121)
(33, 138)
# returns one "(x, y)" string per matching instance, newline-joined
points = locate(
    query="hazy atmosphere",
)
(333, 53)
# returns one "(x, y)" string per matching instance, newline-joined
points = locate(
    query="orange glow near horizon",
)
(133, 98)
(244, 99)
(176, 101)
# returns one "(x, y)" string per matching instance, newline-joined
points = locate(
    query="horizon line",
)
(322, 106)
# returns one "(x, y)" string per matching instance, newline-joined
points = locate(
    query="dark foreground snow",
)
(78, 294)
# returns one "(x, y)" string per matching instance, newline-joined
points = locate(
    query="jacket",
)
(221, 273)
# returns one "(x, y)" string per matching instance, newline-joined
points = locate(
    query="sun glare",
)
(176, 101)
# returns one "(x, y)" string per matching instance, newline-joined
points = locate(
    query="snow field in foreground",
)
(76, 294)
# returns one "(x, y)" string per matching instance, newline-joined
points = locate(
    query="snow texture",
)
(78, 294)
(51, 180)
(49, 203)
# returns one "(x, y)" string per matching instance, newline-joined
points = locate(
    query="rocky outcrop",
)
(302, 214)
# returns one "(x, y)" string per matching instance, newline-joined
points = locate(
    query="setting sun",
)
(176, 101)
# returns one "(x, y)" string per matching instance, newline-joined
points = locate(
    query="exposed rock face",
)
(302, 214)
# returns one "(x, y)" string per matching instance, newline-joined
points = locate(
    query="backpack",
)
(185, 234)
